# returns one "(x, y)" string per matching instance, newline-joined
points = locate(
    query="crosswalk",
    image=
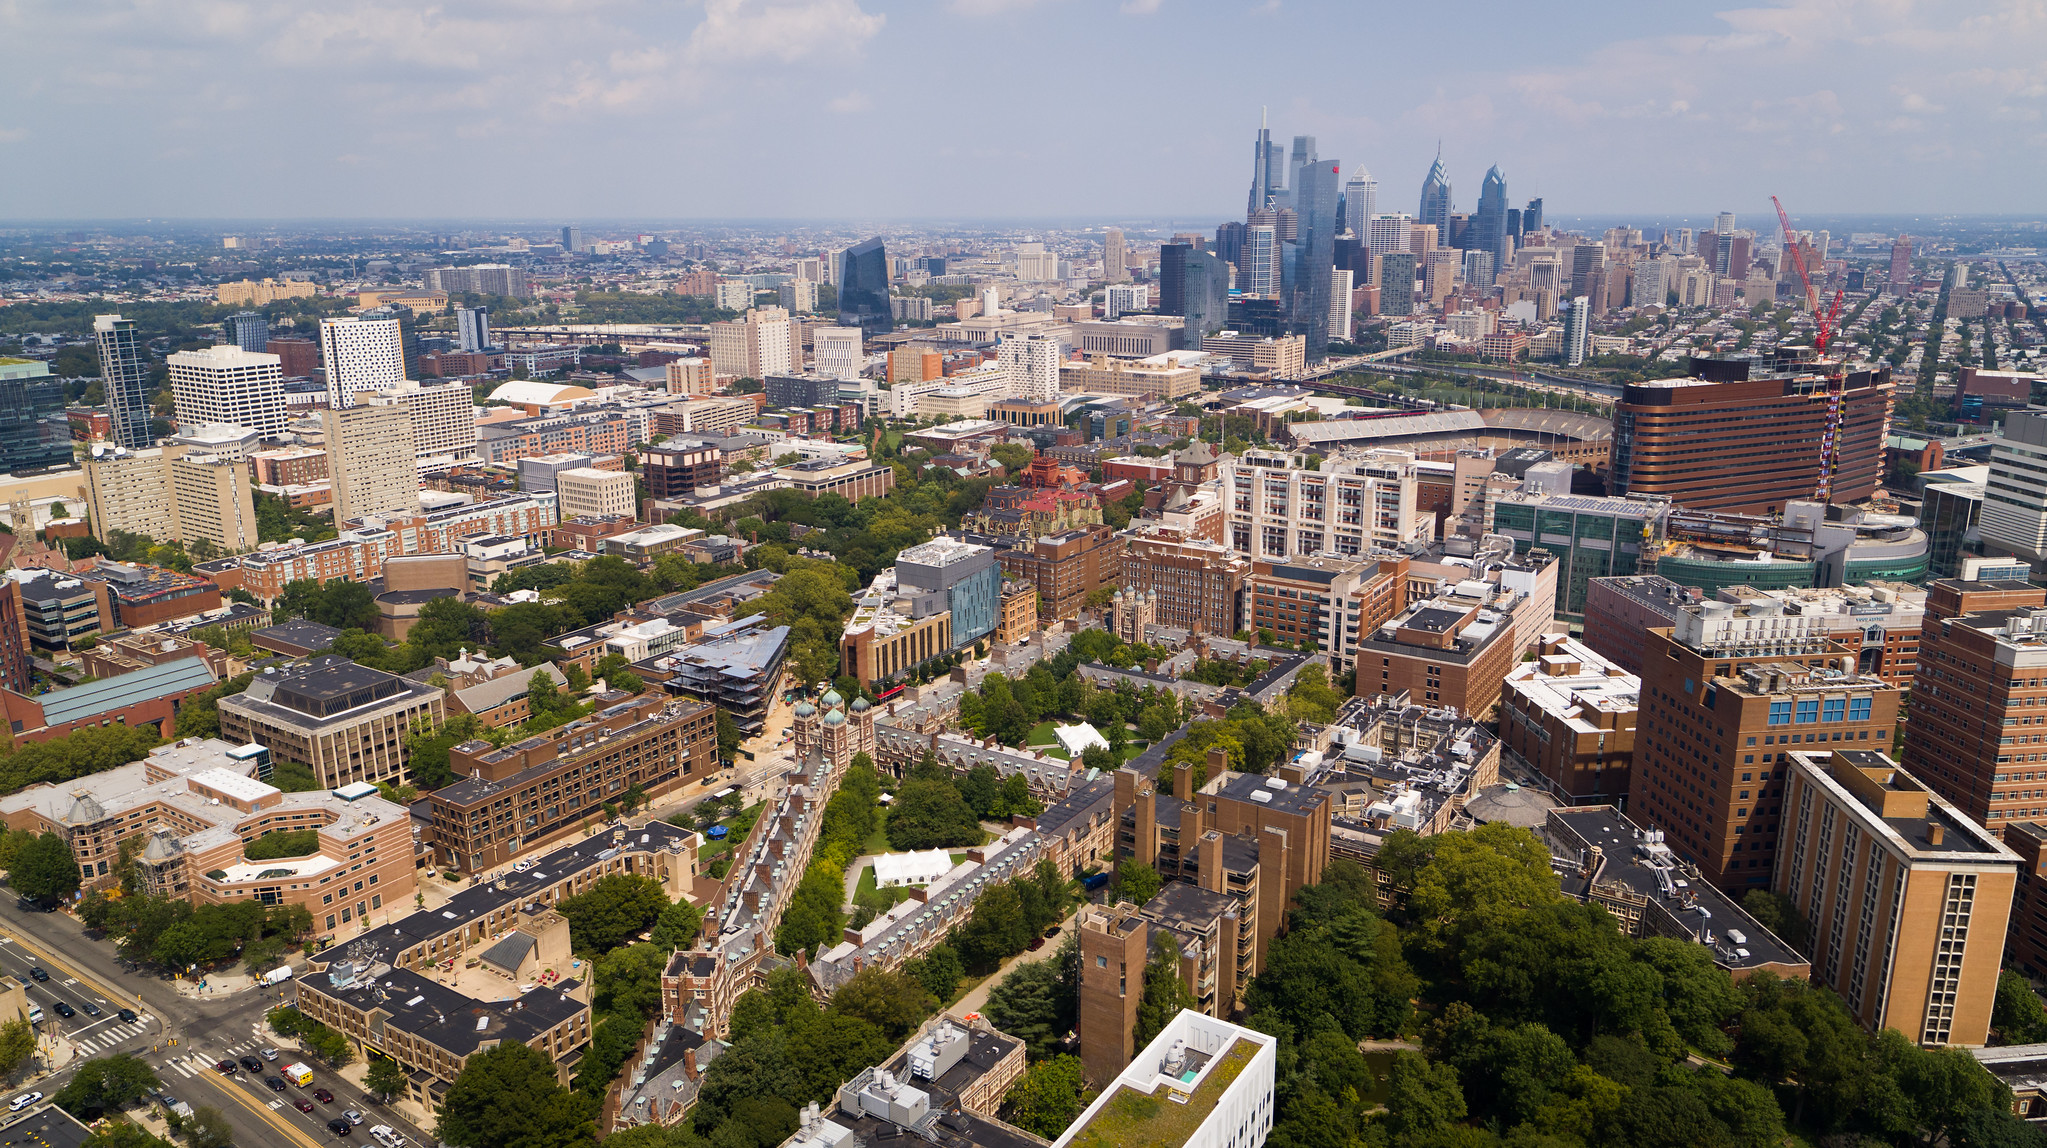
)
(101, 1038)
(189, 1065)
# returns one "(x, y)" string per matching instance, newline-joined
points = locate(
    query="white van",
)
(382, 1134)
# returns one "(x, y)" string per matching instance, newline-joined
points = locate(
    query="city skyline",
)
(1897, 111)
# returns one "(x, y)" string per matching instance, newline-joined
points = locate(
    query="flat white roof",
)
(234, 784)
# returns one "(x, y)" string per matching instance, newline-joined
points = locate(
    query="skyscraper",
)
(370, 461)
(1901, 265)
(1229, 243)
(1112, 257)
(1577, 331)
(359, 355)
(1302, 155)
(473, 328)
(1435, 206)
(248, 330)
(863, 289)
(1396, 283)
(1267, 173)
(572, 238)
(34, 434)
(124, 371)
(226, 384)
(1314, 251)
(1531, 216)
(1386, 233)
(1724, 223)
(1360, 202)
(1489, 225)
(1258, 263)
(1195, 284)
(1339, 304)
(1033, 365)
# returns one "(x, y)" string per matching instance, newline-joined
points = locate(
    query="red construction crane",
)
(1823, 333)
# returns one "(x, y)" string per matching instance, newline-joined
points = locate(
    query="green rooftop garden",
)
(1133, 1120)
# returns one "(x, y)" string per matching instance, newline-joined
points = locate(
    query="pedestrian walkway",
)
(101, 1038)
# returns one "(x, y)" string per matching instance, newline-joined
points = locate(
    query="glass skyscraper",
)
(863, 290)
(1314, 253)
(1194, 284)
(1489, 226)
(249, 330)
(124, 371)
(1435, 206)
(34, 435)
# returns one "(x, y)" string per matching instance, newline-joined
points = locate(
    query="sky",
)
(1109, 110)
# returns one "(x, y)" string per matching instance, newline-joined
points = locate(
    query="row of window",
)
(1801, 710)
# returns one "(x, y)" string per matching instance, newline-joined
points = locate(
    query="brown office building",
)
(1726, 693)
(1744, 435)
(1200, 585)
(512, 800)
(1331, 599)
(1066, 567)
(1908, 897)
(299, 358)
(1571, 714)
(2026, 946)
(676, 469)
(1443, 652)
(1979, 704)
(345, 721)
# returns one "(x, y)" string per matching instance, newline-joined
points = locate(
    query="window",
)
(1780, 713)
(1859, 708)
(1808, 710)
(1833, 709)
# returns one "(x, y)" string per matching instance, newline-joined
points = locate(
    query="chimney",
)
(1183, 779)
(1218, 760)
(1935, 834)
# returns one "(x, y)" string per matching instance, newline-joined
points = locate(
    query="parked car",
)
(23, 1101)
(65, 1009)
(36, 973)
(323, 1096)
(128, 1015)
(224, 1067)
(302, 1104)
(276, 1083)
(252, 1064)
(1037, 943)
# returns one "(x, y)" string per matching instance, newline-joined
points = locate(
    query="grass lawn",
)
(877, 842)
(737, 826)
(1041, 734)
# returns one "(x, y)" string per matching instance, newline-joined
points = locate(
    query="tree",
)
(106, 1084)
(123, 1134)
(17, 1044)
(45, 869)
(207, 1127)
(892, 1001)
(508, 1098)
(677, 926)
(1031, 1004)
(1423, 1097)
(1048, 1097)
(930, 814)
(384, 1079)
(1137, 882)
(617, 908)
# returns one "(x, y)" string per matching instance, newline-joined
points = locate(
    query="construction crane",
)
(1823, 333)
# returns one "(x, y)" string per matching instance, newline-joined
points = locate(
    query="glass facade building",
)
(1489, 226)
(1315, 191)
(962, 577)
(1592, 537)
(249, 330)
(34, 434)
(124, 371)
(863, 290)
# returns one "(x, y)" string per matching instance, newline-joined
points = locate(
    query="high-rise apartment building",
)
(1396, 283)
(2014, 516)
(443, 418)
(1979, 701)
(1032, 362)
(572, 238)
(1258, 263)
(1744, 435)
(370, 461)
(1339, 304)
(172, 496)
(1282, 506)
(1113, 269)
(1723, 223)
(863, 289)
(1901, 266)
(124, 373)
(472, 328)
(360, 355)
(1726, 693)
(1489, 225)
(227, 384)
(1360, 202)
(1652, 281)
(799, 296)
(1907, 898)
(248, 330)
(34, 433)
(1123, 298)
(1388, 233)
(753, 347)
(1435, 203)
(1577, 331)
(837, 352)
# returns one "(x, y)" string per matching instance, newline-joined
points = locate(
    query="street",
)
(206, 1029)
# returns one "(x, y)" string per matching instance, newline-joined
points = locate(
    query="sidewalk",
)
(974, 1001)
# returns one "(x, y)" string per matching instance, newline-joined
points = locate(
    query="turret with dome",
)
(833, 730)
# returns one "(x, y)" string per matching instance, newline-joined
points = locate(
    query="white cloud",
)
(1141, 7)
(850, 103)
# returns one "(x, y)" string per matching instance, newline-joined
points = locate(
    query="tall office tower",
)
(1727, 690)
(863, 290)
(1173, 277)
(1531, 216)
(124, 372)
(1384, 233)
(572, 238)
(1229, 243)
(1478, 268)
(2014, 518)
(1435, 207)
(34, 433)
(360, 355)
(1339, 304)
(1267, 177)
(370, 461)
(1258, 269)
(1360, 202)
(1303, 154)
(1908, 898)
(226, 384)
(1577, 331)
(248, 330)
(1901, 265)
(1194, 284)
(1652, 282)
(1113, 270)
(442, 416)
(1033, 365)
(1396, 283)
(1742, 435)
(836, 352)
(1421, 239)
(1488, 229)
(472, 328)
(1587, 260)
(1723, 223)
(1983, 667)
(1315, 250)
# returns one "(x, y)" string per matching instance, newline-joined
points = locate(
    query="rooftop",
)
(451, 1020)
(79, 703)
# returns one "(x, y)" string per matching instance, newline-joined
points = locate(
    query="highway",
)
(90, 972)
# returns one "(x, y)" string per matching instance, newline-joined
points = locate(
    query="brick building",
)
(347, 722)
(1978, 734)
(1571, 714)
(1065, 567)
(1445, 651)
